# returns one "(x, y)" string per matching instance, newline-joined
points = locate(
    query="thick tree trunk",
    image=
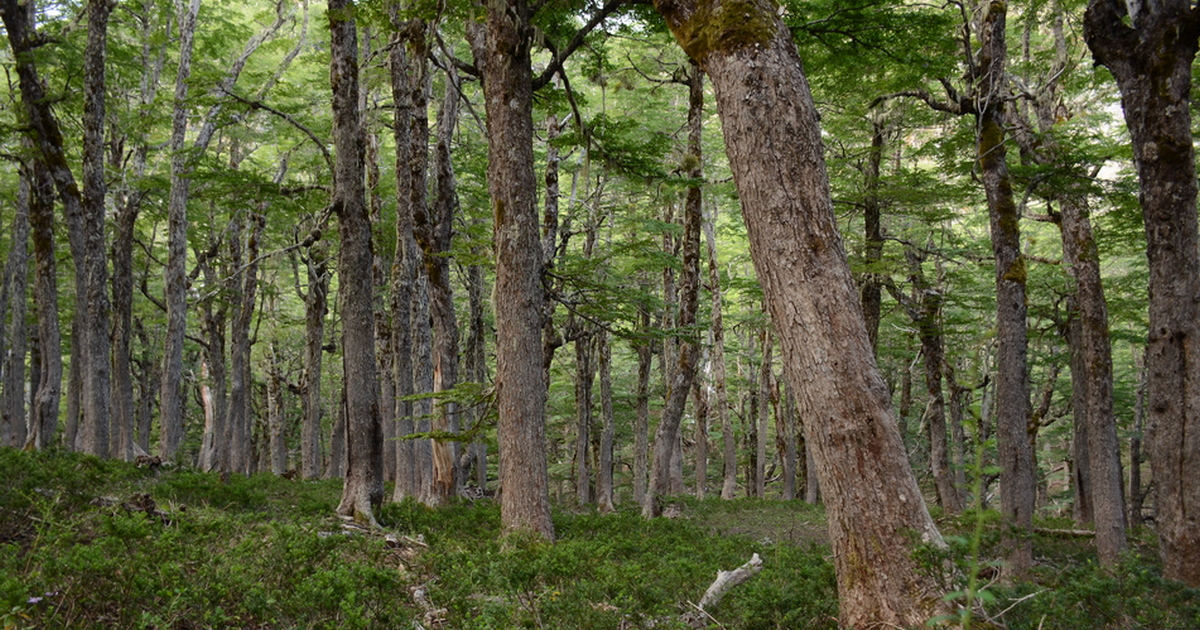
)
(362, 491)
(1151, 58)
(520, 380)
(47, 395)
(876, 513)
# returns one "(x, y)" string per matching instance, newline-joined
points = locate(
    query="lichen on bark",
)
(721, 25)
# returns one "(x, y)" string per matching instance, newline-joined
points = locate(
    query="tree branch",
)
(608, 9)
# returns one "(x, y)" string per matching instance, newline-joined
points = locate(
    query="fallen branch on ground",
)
(725, 581)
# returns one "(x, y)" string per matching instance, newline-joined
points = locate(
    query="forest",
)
(688, 276)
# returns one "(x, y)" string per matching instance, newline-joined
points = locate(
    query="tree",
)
(874, 504)
(362, 490)
(520, 379)
(1151, 56)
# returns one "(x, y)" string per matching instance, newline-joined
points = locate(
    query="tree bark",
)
(13, 428)
(604, 472)
(641, 420)
(720, 390)
(584, 378)
(315, 306)
(1018, 490)
(362, 490)
(876, 513)
(47, 397)
(764, 414)
(1151, 58)
(175, 274)
(520, 380)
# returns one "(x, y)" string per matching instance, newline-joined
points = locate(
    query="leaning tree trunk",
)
(1151, 57)
(876, 513)
(362, 490)
(520, 381)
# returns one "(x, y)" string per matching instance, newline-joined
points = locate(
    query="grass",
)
(81, 547)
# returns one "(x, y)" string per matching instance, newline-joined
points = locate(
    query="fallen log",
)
(726, 580)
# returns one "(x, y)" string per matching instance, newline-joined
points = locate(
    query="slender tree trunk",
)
(147, 387)
(402, 272)
(520, 379)
(785, 440)
(641, 420)
(604, 474)
(764, 414)
(584, 377)
(214, 446)
(720, 391)
(175, 280)
(1151, 57)
(276, 420)
(876, 513)
(13, 429)
(700, 405)
(928, 312)
(1018, 491)
(315, 307)
(683, 372)
(871, 294)
(362, 491)
(1137, 495)
(434, 236)
(245, 276)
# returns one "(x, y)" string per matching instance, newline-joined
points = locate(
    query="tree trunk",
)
(720, 391)
(876, 513)
(520, 380)
(245, 280)
(13, 427)
(214, 445)
(584, 377)
(604, 474)
(1018, 490)
(683, 370)
(700, 406)
(871, 294)
(175, 280)
(362, 490)
(641, 420)
(434, 236)
(1151, 58)
(315, 307)
(764, 414)
(276, 420)
(785, 440)
(48, 393)
(928, 311)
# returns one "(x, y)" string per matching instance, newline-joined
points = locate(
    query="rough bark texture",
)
(875, 510)
(362, 490)
(520, 380)
(1151, 58)
(47, 396)
(1018, 490)
(871, 293)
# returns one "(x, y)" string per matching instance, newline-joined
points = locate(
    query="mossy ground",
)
(266, 552)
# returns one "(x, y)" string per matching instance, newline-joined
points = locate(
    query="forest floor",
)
(86, 543)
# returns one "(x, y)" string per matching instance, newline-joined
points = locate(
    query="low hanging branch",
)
(726, 580)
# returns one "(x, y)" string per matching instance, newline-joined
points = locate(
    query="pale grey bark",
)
(47, 393)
